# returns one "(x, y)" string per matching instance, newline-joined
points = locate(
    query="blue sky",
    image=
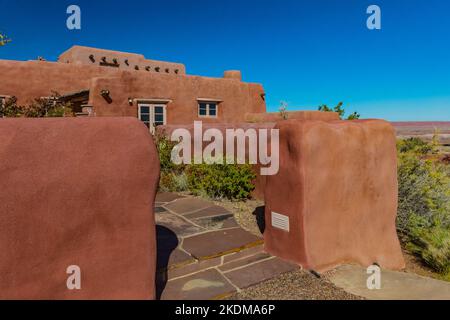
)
(306, 53)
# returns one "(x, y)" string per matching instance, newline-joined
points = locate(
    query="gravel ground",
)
(248, 214)
(296, 285)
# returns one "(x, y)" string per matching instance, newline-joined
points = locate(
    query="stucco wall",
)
(34, 79)
(28, 80)
(297, 115)
(338, 185)
(237, 97)
(125, 61)
(77, 192)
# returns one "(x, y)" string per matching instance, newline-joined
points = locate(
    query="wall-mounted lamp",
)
(130, 101)
(106, 95)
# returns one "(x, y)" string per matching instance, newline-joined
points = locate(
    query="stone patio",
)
(204, 254)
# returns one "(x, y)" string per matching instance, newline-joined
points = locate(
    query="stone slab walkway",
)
(394, 285)
(204, 254)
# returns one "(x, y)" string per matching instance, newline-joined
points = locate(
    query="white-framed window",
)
(152, 115)
(208, 109)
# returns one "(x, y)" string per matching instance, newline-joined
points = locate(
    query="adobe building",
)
(110, 83)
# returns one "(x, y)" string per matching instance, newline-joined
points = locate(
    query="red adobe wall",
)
(124, 60)
(77, 191)
(238, 98)
(34, 79)
(338, 185)
(297, 115)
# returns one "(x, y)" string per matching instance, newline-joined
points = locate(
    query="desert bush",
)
(173, 182)
(164, 147)
(339, 110)
(424, 204)
(415, 145)
(173, 178)
(10, 109)
(431, 241)
(230, 181)
(39, 108)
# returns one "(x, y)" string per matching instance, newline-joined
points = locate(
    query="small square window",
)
(207, 109)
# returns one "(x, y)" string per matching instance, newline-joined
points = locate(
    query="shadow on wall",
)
(166, 243)
(260, 218)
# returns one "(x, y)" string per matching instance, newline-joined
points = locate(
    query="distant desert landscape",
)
(424, 130)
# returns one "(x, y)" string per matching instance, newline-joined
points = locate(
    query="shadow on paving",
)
(166, 243)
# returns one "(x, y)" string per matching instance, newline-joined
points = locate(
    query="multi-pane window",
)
(152, 115)
(207, 109)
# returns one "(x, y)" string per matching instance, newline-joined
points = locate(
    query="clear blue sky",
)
(306, 53)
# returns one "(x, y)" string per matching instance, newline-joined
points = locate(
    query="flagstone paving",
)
(204, 254)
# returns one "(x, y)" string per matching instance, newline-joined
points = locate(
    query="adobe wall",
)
(28, 80)
(337, 184)
(123, 60)
(34, 79)
(77, 191)
(297, 115)
(237, 97)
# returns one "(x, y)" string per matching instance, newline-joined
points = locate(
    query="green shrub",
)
(431, 241)
(173, 182)
(10, 109)
(231, 181)
(164, 147)
(424, 204)
(415, 145)
(39, 108)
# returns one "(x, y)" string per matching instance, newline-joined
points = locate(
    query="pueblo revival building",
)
(110, 83)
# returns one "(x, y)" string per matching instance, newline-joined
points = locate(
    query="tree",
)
(338, 109)
(4, 39)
